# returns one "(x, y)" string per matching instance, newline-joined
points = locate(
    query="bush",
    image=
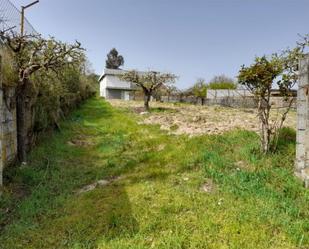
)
(59, 93)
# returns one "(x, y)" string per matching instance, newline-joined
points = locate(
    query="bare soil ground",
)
(197, 120)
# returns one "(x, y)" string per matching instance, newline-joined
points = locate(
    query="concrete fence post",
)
(302, 138)
(1, 124)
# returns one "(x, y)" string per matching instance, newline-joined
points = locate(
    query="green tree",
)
(222, 82)
(149, 82)
(260, 78)
(114, 60)
(199, 90)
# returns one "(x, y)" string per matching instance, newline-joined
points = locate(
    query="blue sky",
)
(191, 38)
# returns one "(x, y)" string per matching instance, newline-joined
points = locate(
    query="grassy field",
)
(164, 191)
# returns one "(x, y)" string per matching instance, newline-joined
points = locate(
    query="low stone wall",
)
(8, 131)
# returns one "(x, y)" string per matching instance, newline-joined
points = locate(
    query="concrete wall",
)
(113, 94)
(229, 101)
(103, 88)
(8, 131)
(302, 138)
(112, 82)
(223, 93)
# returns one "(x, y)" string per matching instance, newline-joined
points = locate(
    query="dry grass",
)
(197, 120)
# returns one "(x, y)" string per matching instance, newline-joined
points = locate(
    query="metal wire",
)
(10, 19)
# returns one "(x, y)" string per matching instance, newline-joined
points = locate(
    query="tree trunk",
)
(264, 110)
(265, 136)
(202, 100)
(25, 97)
(146, 101)
(21, 126)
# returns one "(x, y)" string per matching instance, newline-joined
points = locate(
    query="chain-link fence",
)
(10, 19)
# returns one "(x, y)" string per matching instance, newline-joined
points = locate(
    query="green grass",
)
(157, 202)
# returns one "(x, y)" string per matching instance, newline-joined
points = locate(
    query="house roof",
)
(108, 71)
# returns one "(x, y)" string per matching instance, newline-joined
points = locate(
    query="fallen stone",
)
(92, 186)
(87, 188)
(103, 182)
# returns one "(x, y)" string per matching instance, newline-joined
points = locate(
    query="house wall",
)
(111, 81)
(103, 88)
(118, 94)
(113, 94)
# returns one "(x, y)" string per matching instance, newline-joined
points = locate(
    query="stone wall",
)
(302, 139)
(8, 131)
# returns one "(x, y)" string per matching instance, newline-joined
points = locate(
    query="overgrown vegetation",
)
(59, 93)
(265, 74)
(48, 77)
(165, 191)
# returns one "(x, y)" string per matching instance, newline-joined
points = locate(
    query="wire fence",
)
(10, 19)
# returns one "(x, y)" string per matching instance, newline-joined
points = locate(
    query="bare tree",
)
(149, 82)
(166, 90)
(33, 53)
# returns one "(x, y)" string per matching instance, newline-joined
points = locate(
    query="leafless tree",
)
(33, 53)
(149, 82)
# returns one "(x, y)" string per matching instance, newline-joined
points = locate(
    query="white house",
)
(112, 87)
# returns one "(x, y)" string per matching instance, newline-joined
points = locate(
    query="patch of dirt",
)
(161, 147)
(241, 165)
(208, 186)
(80, 141)
(198, 120)
(138, 109)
